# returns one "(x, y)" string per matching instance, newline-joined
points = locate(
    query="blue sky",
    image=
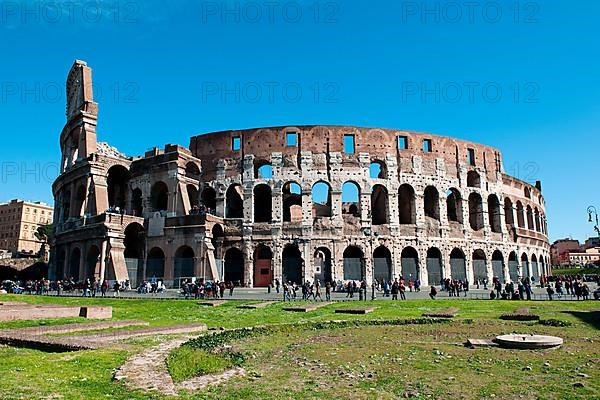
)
(165, 72)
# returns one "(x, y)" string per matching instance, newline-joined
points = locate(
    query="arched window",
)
(406, 204)
(321, 200)
(159, 196)
(473, 179)
(537, 220)
(432, 203)
(520, 215)
(117, 182)
(378, 170)
(137, 202)
(209, 199)
(494, 213)
(509, 215)
(192, 171)
(475, 211)
(530, 224)
(379, 205)
(353, 264)
(454, 206)
(192, 195)
(263, 198)
(234, 203)
(351, 199)
(263, 169)
(292, 202)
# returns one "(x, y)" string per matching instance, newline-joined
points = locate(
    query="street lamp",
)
(592, 210)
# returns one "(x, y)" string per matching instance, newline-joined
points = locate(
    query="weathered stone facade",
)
(293, 202)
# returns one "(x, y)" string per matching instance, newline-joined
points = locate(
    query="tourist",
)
(317, 290)
(277, 284)
(402, 290)
(395, 288)
(492, 295)
(221, 289)
(550, 292)
(117, 288)
(231, 287)
(373, 288)
(432, 292)
(417, 285)
(328, 291)
(286, 292)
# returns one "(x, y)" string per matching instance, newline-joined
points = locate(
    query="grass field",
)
(370, 362)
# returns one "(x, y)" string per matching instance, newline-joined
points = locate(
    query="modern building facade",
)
(333, 203)
(19, 221)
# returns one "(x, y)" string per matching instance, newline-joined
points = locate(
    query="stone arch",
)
(458, 266)
(208, 197)
(92, 262)
(479, 265)
(117, 182)
(234, 266)
(75, 263)
(379, 205)
(292, 202)
(535, 273)
(263, 266)
(192, 193)
(183, 263)
(498, 265)
(80, 195)
(323, 262)
(60, 264)
(527, 192)
(494, 213)
(292, 264)
(321, 200)
(382, 264)
(435, 271)
(431, 200)
(159, 196)
(454, 206)
(65, 209)
(513, 266)
(192, 170)
(263, 203)
(378, 170)
(263, 169)
(134, 242)
(530, 225)
(155, 263)
(137, 202)
(520, 215)
(509, 216)
(234, 203)
(473, 179)
(351, 199)
(525, 265)
(536, 214)
(409, 260)
(354, 265)
(475, 211)
(407, 204)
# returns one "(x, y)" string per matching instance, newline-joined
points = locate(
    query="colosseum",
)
(292, 203)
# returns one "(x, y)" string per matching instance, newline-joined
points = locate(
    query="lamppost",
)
(592, 210)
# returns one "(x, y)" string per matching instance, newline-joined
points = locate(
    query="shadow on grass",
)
(589, 317)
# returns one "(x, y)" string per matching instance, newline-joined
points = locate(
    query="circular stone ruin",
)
(517, 341)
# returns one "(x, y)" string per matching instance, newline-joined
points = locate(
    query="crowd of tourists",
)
(200, 289)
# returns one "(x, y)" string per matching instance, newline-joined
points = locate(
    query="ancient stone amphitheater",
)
(333, 203)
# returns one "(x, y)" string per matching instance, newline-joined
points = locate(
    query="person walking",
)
(433, 293)
(394, 290)
(328, 291)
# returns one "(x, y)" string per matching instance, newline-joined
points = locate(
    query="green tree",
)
(43, 233)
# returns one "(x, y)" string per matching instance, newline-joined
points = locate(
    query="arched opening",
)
(183, 264)
(192, 193)
(66, 206)
(234, 203)
(234, 267)
(475, 211)
(321, 200)
(209, 199)
(509, 216)
(479, 265)
(527, 193)
(382, 264)
(80, 195)
(292, 202)
(410, 264)
(92, 263)
(537, 220)
(292, 265)
(155, 264)
(354, 264)
(432, 203)
(520, 215)
(323, 265)
(159, 197)
(498, 265)
(378, 170)
(406, 204)
(379, 205)
(535, 273)
(117, 182)
(263, 203)
(263, 271)
(137, 204)
(134, 252)
(525, 268)
(454, 206)
(494, 213)
(530, 218)
(217, 236)
(513, 266)
(458, 268)
(74, 263)
(60, 265)
(263, 169)
(473, 179)
(434, 266)
(351, 199)
(192, 171)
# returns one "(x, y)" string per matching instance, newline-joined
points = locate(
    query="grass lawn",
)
(366, 362)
